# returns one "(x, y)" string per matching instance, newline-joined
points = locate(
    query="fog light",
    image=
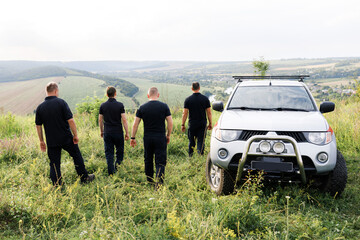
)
(223, 153)
(322, 157)
(265, 146)
(278, 147)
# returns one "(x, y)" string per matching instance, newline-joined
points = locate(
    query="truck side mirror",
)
(327, 107)
(218, 106)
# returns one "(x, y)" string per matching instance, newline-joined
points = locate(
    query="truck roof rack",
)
(300, 78)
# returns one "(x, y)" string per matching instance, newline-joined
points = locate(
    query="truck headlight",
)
(227, 135)
(319, 138)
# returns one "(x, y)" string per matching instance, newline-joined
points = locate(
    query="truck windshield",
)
(277, 98)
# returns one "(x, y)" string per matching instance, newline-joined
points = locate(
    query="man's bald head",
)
(153, 93)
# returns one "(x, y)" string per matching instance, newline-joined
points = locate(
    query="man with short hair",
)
(57, 118)
(154, 114)
(112, 119)
(197, 106)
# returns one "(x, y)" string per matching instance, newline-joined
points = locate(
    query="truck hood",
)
(273, 120)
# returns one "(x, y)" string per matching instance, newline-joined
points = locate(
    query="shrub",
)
(10, 126)
(91, 105)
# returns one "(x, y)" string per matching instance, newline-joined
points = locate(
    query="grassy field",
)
(123, 206)
(75, 89)
(172, 94)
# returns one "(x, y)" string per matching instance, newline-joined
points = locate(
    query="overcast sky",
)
(209, 30)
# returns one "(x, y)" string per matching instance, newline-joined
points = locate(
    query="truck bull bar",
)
(262, 137)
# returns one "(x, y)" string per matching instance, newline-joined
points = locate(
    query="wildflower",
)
(83, 233)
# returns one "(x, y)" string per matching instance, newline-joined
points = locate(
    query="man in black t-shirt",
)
(197, 106)
(55, 115)
(154, 114)
(111, 120)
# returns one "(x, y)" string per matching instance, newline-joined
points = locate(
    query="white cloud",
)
(178, 30)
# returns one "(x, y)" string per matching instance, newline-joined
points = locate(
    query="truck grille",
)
(298, 136)
(246, 134)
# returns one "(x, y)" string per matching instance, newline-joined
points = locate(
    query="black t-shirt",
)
(197, 105)
(112, 110)
(54, 114)
(153, 113)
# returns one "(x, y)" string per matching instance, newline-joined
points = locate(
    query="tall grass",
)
(346, 125)
(124, 206)
(15, 133)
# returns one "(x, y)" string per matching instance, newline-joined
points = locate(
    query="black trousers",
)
(197, 136)
(155, 145)
(111, 141)
(54, 154)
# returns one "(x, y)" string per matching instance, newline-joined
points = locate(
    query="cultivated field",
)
(325, 65)
(336, 82)
(74, 90)
(23, 97)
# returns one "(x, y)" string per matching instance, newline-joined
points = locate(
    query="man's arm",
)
(41, 138)
(72, 124)
(184, 117)
(169, 128)
(101, 125)
(209, 116)
(134, 130)
(125, 124)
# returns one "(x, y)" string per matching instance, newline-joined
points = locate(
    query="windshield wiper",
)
(244, 108)
(290, 109)
(252, 108)
(270, 109)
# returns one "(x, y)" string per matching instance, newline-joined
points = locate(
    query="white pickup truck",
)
(272, 124)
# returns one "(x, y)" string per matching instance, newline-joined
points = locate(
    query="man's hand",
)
(167, 139)
(76, 139)
(42, 146)
(133, 142)
(182, 128)
(102, 134)
(209, 127)
(126, 137)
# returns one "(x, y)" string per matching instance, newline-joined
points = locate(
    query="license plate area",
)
(272, 166)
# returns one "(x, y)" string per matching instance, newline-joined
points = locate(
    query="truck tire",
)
(335, 182)
(220, 180)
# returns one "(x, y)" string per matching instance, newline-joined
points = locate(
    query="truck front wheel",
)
(335, 182)
(220, 180)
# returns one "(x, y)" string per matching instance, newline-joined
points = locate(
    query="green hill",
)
(126, 88)
(34, 73)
